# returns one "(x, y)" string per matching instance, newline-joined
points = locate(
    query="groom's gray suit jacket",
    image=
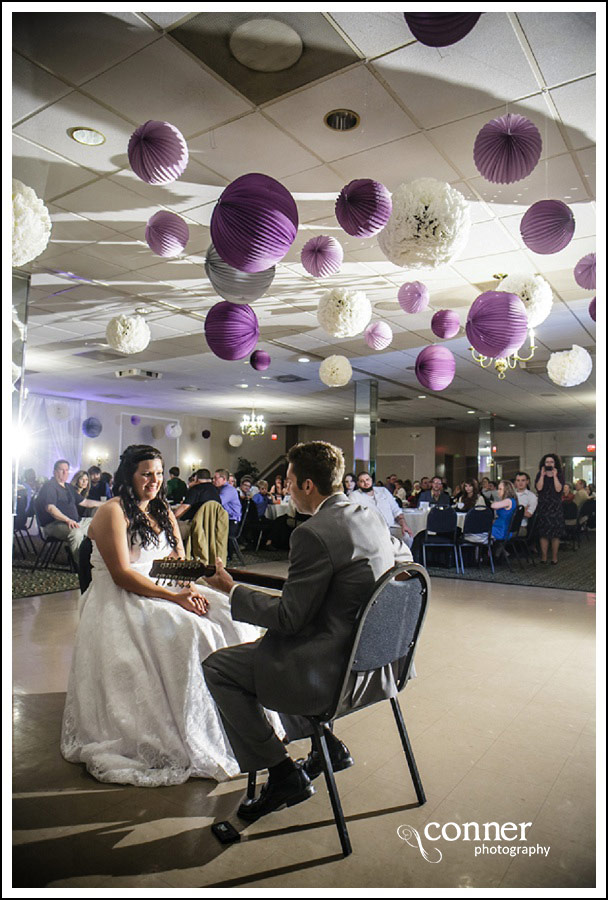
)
(335, 559)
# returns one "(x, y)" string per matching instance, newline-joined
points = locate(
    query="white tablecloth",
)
(274, 510)
(416, 519)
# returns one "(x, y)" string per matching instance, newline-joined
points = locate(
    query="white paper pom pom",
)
(31, 224)
(344, 313)
(535, 293)
(335, 371)
(173, 430)
(128, 334)
(235, 440)
(570, 367)
(428, 227)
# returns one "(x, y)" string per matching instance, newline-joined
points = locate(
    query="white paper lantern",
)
(31, 224)
(235, 440)
(570, 367)
(173, 430)
(335, 371)
(128, 334)
(535, 293)
(344, 313)
(428, 227)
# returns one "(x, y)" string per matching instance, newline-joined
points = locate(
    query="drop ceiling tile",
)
(180, 273)
(586, 159)
(33, 88)
(96, 40)
(555, 178)
(373, 33)
(195, 187)
(50, 127)
(575, 103)
(110, 204)
(47, 174)
(269, 150)
(184, 93)
(166, 19)
(80, 263)
(403, 160)
(440, 86)
(488, 238)
(566, 258)
(564, 51)
(123, 251)
(484, 268)
(315, 192)
(136, 283)
(301, 115)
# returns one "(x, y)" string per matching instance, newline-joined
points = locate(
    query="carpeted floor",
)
(574, 572)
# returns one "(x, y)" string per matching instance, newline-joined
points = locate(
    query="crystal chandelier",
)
(253, 425)
(502, 364)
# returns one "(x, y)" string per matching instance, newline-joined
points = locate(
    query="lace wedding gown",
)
(137, 708)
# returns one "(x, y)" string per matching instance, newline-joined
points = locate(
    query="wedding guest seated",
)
(246, 488)
(401, 492)
(57, 508)
(108, 479)
(381, 499)
(232, 479)
(391, 483)
(446, 486)
(568, 494)
(176, 488)
(412, 499)
(489, 489)
(200, 491)
(229, 498)
(278, 490)
(262, 499)
(80, 482)
(581, 494)
(436, 496)
(591, 491)
(350, 483)
(99, 489)
(504, 507)
(470, 497)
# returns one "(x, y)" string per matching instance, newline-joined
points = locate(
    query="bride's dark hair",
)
(158, 508)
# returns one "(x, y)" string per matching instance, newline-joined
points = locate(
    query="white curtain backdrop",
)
(54, 426)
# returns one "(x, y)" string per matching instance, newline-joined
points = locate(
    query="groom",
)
(335, 559)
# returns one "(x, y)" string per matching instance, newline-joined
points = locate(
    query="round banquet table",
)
(416, 519)
(274, 510)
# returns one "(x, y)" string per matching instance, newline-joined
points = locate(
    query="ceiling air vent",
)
(289, 379)
(138, 374)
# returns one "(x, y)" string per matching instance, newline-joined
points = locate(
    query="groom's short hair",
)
(323, 463)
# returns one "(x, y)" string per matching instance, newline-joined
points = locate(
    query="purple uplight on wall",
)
(584, 272)
(445, 323)
(157, 152)
(507, 149)
(166, 234)
(547, 226)
(254, 223)
(260, 360)
(497, 324)
(440, 29)
(413, 296)
(232, 330)
(363, 207)
(435, 367)
(322, 256)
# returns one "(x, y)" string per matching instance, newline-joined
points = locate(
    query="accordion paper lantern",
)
(322, 256)
(254, 223)
(158, 153)
(363, 207)
(166, 234)
(260, 360)
(206, 434)
(413, 297)
(547, 227)
(91, 427)
(335, 371)
(497, 324)
(232, 330)
(378, 335)
(507, 149)
(592, 309)
(173, 430)
(584, 272)
(435, 367)
(440, 29)
(233, 285)
(445, 323)
(135, 420)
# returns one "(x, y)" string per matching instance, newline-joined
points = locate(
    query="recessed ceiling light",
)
(88, 136)
(242, 385)
(471, 412)
(265, 377)
(422, 396)
(303, 359)
(512, 425)
(341, 119)
(143, 310)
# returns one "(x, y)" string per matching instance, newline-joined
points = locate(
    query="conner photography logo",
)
(489, 838)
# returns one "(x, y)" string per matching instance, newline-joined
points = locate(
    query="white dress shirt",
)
(529, 500)
(382, 500)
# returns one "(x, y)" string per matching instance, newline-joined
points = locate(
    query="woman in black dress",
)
(549, 484)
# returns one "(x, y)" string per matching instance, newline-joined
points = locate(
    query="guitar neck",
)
(180, 571)
(257, 578)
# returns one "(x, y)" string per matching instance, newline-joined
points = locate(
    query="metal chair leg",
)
(333, 791)
(407, 749)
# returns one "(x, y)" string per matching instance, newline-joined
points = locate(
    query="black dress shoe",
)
(293, 789)
(339, 755)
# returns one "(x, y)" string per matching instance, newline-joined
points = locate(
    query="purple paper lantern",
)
(158, 153)
(440, 29)
(507, 149)
(205, 433)
(91, 427)
(435, 367)
(363, 207)
(584, 272)
(259, 360)
(445, 323)
(497, 324)
(547, 227)
(166, 234)
(378, 335)
(322, 256)
(135, 420)
(254, 223)
(592, 309)
(231, 330)
(413, 296)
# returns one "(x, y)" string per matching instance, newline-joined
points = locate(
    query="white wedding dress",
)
(138, 710)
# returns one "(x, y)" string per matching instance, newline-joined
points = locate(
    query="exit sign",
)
(590, 448)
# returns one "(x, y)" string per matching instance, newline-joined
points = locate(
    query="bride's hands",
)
(190, 599)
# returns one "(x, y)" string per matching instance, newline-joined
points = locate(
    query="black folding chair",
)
(526, 539)
(586, 519)
(571, 513)
(49, 551)
(441, 531)
(233, 542)
(21, 534)
(477, 522)
(500, 546)
(387, 634)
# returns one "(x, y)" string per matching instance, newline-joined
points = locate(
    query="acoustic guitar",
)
(181, 571)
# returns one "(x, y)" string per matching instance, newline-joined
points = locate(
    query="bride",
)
(137, 708)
